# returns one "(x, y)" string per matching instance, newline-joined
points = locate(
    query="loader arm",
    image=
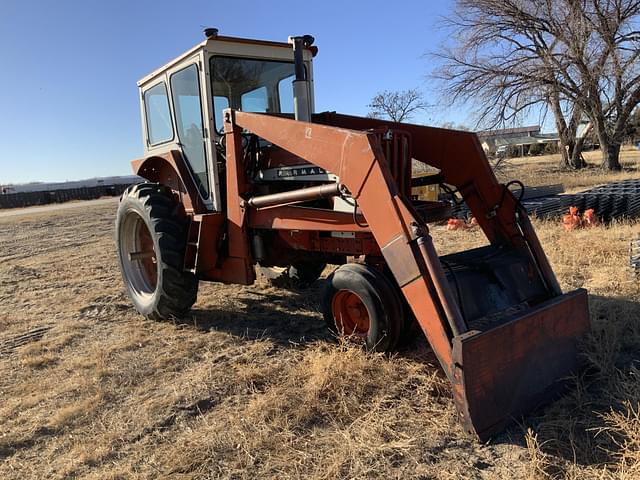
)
(462, 162)
(355, 157)
(488, 385)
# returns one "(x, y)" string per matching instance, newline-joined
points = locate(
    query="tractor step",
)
(201, 253)
(191, 251)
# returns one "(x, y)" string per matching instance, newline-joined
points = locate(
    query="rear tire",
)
(151, 236)
(361, 304)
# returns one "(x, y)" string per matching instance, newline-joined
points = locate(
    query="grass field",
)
(544, 170)
(251, 386)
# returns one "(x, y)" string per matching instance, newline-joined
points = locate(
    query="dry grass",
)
(252, 387)
(544, 170)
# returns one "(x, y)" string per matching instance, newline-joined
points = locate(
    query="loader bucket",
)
(517, 366)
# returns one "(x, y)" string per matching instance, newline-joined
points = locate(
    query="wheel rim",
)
(138, 255)
(350, 314)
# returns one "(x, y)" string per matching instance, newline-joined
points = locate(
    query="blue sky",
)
(68, 96)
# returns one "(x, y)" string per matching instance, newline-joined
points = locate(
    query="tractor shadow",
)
(291, 317)
(288, 317)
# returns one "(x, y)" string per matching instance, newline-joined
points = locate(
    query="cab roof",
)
(209, 41)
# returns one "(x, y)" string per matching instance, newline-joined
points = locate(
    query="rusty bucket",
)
(519, 365)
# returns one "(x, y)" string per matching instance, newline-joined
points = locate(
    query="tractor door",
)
(194, 136)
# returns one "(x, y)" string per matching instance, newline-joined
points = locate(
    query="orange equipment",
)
(571, 220)
(456, 224)
(589, 218)
(229, 190)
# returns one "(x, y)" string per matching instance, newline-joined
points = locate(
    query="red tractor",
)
(242, 173)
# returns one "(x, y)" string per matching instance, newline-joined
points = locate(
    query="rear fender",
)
(170, 169)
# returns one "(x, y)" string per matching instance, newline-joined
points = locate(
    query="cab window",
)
(255, 101)
(185, 94)
(285, 89)
(251, 85)
(157, 115)
(220, 104)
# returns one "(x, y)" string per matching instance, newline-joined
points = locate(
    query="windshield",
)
(251, 85)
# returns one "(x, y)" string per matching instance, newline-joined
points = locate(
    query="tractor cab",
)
(182, 103)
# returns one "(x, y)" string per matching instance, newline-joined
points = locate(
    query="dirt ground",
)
(251, 386)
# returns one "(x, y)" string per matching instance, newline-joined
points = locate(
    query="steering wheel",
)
(246, 137)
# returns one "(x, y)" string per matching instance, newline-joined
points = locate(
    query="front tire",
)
(151, 236)
(361, 304)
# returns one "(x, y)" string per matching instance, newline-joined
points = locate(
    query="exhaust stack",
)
(301, 107)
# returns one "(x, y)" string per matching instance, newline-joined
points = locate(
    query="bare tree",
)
(397, 106)
(568, 116)
(633, 128)
(496, 64)
(574, 57)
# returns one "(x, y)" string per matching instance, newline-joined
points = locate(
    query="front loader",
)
(242, 174)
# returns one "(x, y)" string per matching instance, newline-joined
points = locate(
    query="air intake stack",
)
(301, 107)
